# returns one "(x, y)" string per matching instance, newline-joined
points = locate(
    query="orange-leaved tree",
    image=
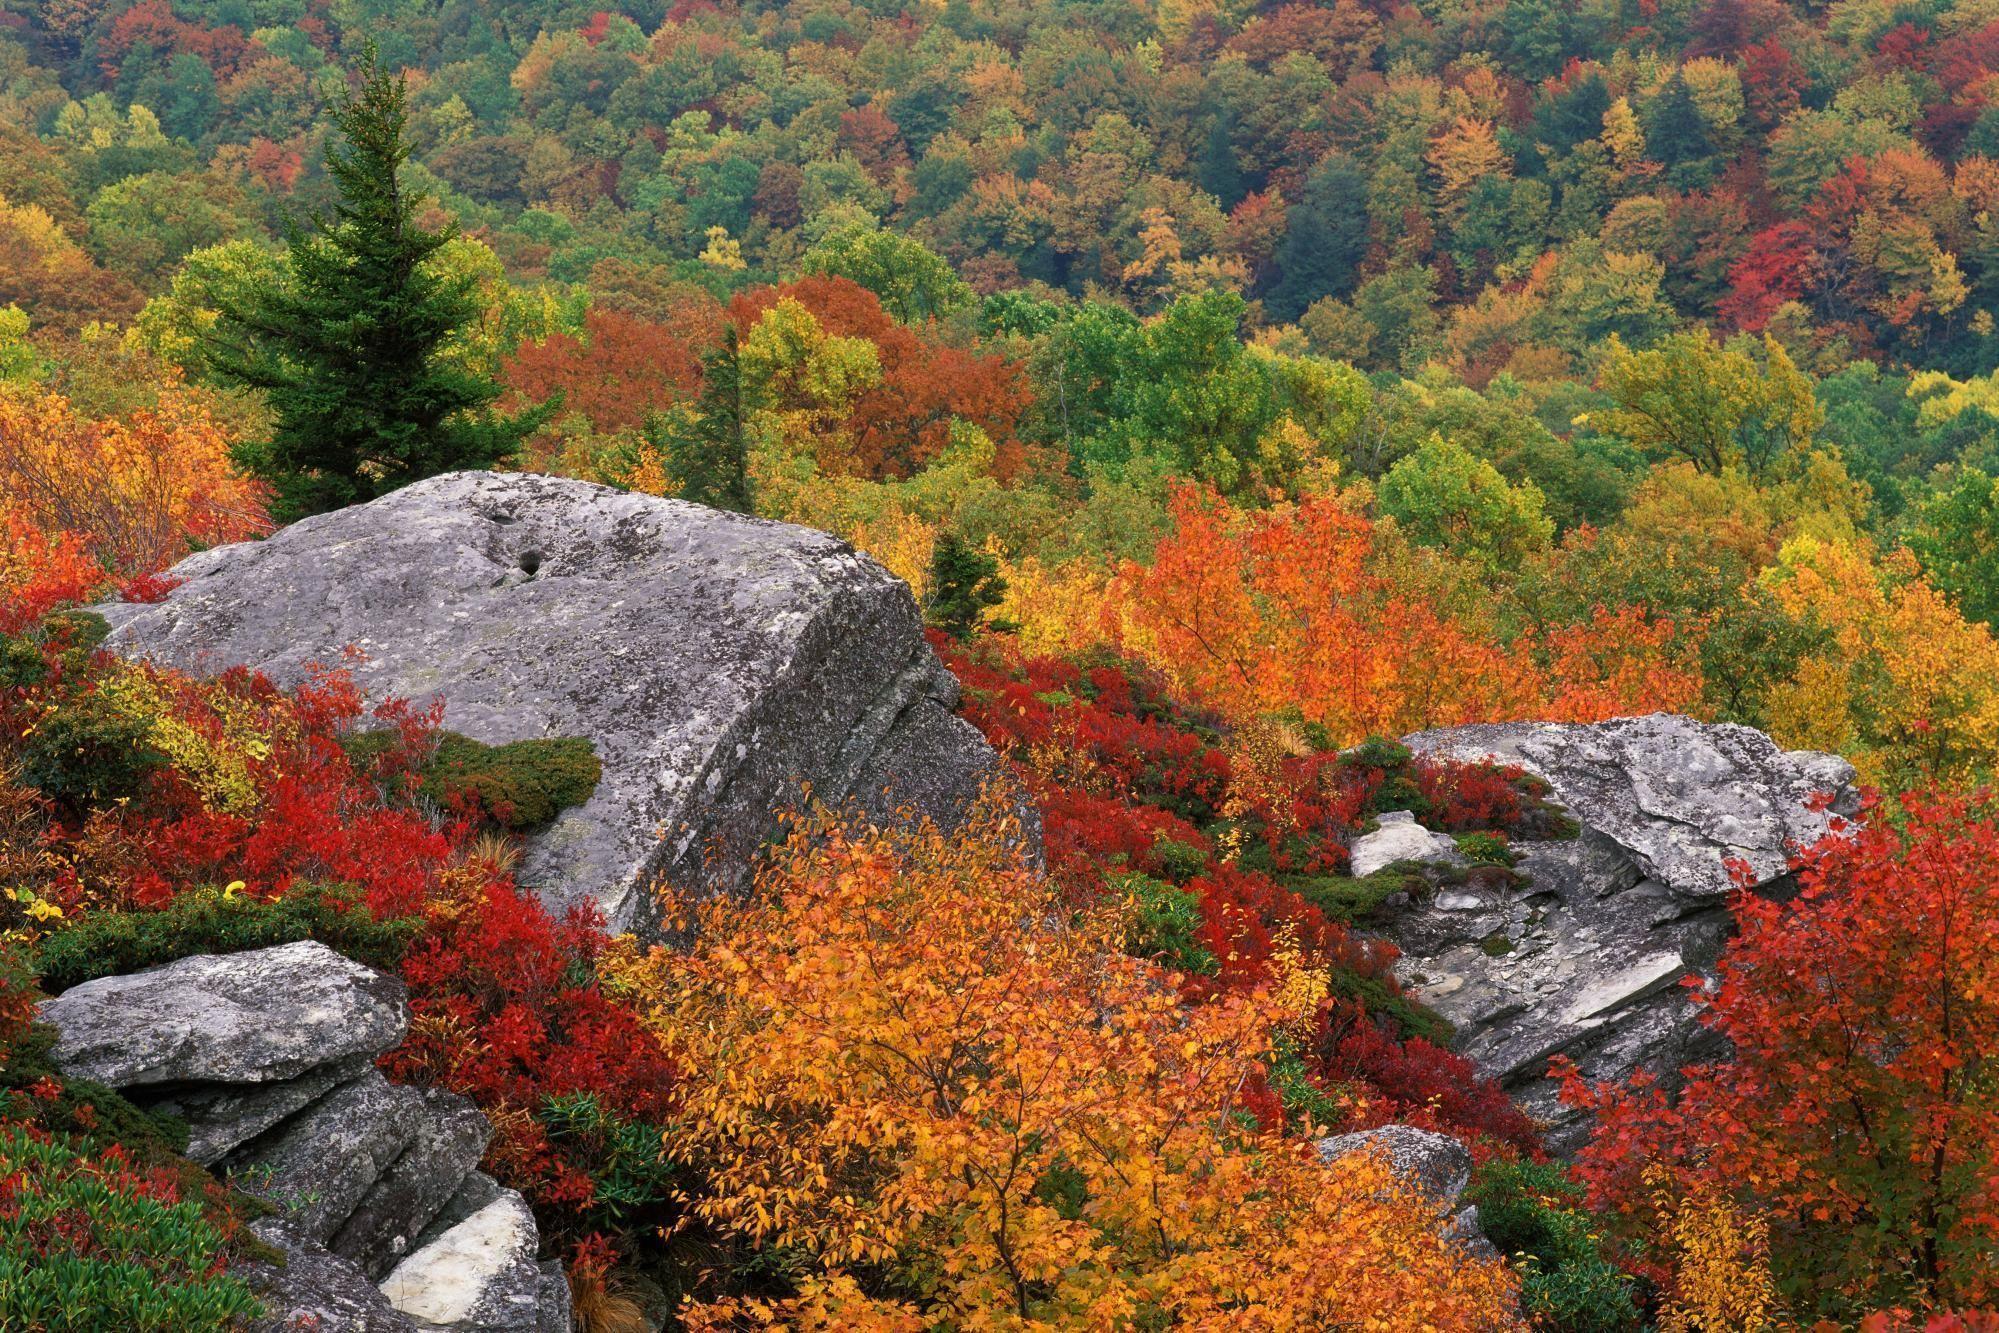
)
(1858, 1113)
(138, 492)
(946, 1100)
(1300, 608)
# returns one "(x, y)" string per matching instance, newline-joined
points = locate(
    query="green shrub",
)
(106, 944)
(1534, 1213)
(88, 755)
(520, 785)
(1164, 924)
(630, 1173)
(1410, 1018)
(1351, 901)
(1486, 849)
(1180, 860)
(87, 1243)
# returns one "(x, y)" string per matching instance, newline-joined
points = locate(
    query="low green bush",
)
(106, 944)
(1164, 924)
(89, 1242)
(1534, 1213)
(520, 785)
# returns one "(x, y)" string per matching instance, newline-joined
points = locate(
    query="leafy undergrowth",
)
(146, 816)
(99, 1212)
(1232, 852)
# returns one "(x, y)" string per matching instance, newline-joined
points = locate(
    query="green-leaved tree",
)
(964, 583)
(706, 449)
(354, 344)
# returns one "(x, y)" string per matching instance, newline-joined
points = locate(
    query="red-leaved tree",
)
(1858, 1113)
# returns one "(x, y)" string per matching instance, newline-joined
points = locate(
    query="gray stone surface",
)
(315, 1292)
(482, 1274)
(258, 1017)
(1437, 1165)
(717, 661)
(417, 1186)
(1398, 837)
(317, 1167)
(1586, 958)
(223, 1117)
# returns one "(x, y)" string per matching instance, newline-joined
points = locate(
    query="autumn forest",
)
(1240, 387)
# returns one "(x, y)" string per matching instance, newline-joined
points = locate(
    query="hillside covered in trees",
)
(1238, 388)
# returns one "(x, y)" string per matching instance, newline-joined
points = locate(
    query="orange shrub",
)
(952, 1101)
(139, 493)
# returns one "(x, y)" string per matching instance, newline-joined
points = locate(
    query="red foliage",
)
(1415, 1082)
(153, 24)
(1852, 1112)
(1772, 272)
(622, 368)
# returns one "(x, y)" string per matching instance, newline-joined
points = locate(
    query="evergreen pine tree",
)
(964, 582)
(351, 347)
(1676, 135)
(707, 449)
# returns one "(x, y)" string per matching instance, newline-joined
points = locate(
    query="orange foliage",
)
(1292, 609)
(139, 493)
(906, 1057)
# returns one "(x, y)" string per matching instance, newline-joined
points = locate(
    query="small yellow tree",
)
(953, 1103)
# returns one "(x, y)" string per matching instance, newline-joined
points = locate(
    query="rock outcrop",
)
(1585, 959)
(1436, 1166)
(268, 1056)
(720, 664)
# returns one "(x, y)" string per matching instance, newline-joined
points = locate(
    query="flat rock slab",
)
(720, 663)
(1398, 837)
(480, 1274)
(1683, 797)
(262, 1016)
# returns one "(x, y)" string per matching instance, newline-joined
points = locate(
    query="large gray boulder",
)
(259, 1017)
(1585, 958)
(720, 663)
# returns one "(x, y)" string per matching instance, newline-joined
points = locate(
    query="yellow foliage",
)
(905, 1053)
(1920, 694)
(138, 491)
(1721, 1263)
(1059, 608)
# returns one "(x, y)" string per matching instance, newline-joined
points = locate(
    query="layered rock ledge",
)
(1586, 958)
(385, 1222)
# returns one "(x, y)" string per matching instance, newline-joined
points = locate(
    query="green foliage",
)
(912, 282)
(1165, 921)
(1534, 1214)
(1486, 849)
(142, 1259)
(1443, 496)
(707, 449)
(1352, 900)
(964, 583)
(1716, 406)
(518, 785)
(1408, 1017)
(1957, 540)
(88, 754)
(352, 350)
(104, 944)
(630, 1171)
